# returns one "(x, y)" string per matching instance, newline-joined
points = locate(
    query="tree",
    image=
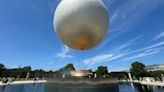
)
(90, 70)
(102, 70)
(22, 72)
(2, 68)
(119, 75)
(39, 73)
(27, 68)
(156, 74)
(69, 67)
(138, 70)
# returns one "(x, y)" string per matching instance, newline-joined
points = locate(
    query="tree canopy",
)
(2, 68)
(69, 67)
(102, 70)
(138, 70)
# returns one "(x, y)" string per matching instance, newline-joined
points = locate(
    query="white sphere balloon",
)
(81, 24)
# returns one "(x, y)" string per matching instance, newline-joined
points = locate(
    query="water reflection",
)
(23, 88)
(53, 87)
(129, 87)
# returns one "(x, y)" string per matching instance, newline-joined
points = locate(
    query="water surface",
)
(51, 87)
(130, 87)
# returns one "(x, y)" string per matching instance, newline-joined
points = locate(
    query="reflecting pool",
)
(51, 87)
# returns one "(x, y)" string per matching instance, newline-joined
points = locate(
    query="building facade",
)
(155, 67)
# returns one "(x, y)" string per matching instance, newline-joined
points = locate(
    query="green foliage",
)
(69, 67)
(64, 70)
(101, 71)
(138, 70)
(2, 68)
(119, 75)
(38, 73)
(17, 73)
(22, 72)
(27, 68)
(156, 73)
(90, 70)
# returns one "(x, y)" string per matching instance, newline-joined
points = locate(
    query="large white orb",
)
(81, 24)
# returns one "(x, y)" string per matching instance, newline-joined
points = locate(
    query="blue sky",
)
(27, 36)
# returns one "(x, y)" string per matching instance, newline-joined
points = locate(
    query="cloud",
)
(143, 54)
(64, 53)
(146, 51)
(15, 66)
(115, 54)
(97, 59)
(40, 9)
(129, 43)
(131, 12)
(119, 69)
(102, 58)
(149, 47)
(123, 53)
(161, 35)
(126, 16)
(114, 17)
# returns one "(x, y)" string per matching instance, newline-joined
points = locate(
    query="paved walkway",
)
(146, 83)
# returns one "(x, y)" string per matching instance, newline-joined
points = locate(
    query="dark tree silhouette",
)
(138, 70)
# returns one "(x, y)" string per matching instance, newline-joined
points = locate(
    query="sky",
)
(27, 36)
